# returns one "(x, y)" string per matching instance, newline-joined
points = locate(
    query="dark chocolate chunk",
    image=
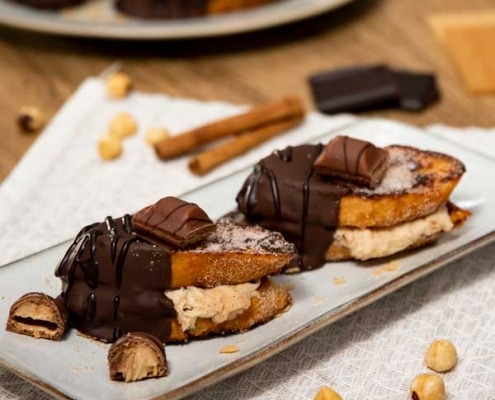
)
(174, 221)
(137, 356)
(417, 91)
(355, 89)
(352, 159)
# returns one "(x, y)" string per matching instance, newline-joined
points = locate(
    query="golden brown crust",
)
(436, 177)
(38, 315)
(338, 252)
(457, 215)
(210, 269)
(231, 255)
(272, 300)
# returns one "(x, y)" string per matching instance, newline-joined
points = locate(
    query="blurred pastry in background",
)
(166, 9)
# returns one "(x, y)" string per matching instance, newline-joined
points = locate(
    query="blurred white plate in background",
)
(97, 18)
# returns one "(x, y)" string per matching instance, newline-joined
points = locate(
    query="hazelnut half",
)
(30, 119)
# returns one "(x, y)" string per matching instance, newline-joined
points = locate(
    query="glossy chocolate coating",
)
(114, 282)
(163, 9)
(284, 194)
(174, 221)
(352, 159)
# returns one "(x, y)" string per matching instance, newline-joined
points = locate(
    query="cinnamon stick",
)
(258, 116)
(210, 159)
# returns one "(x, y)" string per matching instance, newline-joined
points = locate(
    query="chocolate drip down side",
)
(284, 194)
(114, 282)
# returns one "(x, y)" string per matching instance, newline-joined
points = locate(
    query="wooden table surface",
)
(44, 70)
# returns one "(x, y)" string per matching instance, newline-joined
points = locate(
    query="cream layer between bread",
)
(220, 304)
(365, 244)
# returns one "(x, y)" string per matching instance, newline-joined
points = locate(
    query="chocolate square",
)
(352, 159)
(355, 89)
(174, 221)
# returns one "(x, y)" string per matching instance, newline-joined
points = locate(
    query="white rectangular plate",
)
(77, 367)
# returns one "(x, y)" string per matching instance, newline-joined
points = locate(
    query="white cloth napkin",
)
(61, 185)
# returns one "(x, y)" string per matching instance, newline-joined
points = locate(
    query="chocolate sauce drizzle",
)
(114, 282)
(284, 194)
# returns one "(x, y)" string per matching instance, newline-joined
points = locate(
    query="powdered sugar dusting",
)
(401, 174)
(231, 236)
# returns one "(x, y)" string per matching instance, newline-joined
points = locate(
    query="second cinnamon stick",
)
(210, 159)
(258, 116)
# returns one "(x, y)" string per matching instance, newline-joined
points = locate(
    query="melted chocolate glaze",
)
(284, 194)
(114, 282)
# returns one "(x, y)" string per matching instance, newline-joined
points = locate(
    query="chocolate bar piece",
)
(38, 315)
(137, 356)
(174, 221)
(354, 89)
(354, 160)
(417, 91)
(373, 87)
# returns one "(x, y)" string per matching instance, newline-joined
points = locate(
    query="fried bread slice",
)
(220, 6)
(271, 299)
(416, 183)
(231, 255)
(365, 244)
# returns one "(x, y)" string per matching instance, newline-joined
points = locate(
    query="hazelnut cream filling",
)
(220, 304)
(364, 244)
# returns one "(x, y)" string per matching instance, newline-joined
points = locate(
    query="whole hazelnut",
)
(427, 387)
(441, 356)
(326, 393)
(109, 147)
(123, 125)
(119, 85)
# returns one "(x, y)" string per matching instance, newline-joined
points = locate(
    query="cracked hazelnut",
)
(30, 119)
(123, 125)
(119, 85)
(137, 356)
(441, 356)
(326, 393)
(109, 147)
(155, 135)
(427, 387)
